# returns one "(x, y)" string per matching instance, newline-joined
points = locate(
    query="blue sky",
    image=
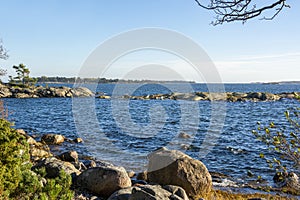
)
(55, 37)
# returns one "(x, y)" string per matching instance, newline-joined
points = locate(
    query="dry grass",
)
(225, 195)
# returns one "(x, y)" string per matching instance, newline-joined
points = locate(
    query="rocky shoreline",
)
(171, 174)
(101, 180)
(206, 96)
(7, 91)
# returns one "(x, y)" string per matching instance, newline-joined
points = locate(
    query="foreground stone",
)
(153, 192)
(171, 167)
(53, 167)
(104, 180)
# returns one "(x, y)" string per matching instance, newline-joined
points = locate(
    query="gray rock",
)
(184, 135)
(131, 174)
(171, 167)
(81, 92)
(39, 91)
(104, 97)
(89, 163)
(155, 192)
(4, 91)
(292, 183)
(176, 190)
(22, 95)
(53, 139)
(217, 96)
(60, 91)
(37, 152)
(70, 156)
(142, 176)
(122, 194)
(104, 181)
(54, 166)
(78, 140)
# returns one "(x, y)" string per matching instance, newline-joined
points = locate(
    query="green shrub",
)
(14, 158)
(284, 143)
(57, 188)
(17, 181)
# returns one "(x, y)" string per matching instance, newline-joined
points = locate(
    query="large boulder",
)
(172, 167)
(153, 192)
(104, 180)
(53, 167)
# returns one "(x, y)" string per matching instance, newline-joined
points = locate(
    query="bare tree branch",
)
(241, 10)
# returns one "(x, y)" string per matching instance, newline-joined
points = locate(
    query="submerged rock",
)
(184, 135)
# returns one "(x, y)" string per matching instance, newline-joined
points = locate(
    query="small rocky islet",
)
(7, 91)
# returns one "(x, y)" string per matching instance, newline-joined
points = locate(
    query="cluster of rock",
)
(171, 174)
(7, 91)
(40, 91)
(206, 96)
(177, 177)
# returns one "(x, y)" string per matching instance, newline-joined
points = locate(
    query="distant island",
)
(71, 80)
(281, 82)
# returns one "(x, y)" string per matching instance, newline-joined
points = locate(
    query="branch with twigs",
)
(241, 10)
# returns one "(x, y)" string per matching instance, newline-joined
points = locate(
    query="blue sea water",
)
(124, 132)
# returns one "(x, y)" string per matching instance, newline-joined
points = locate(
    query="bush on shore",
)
(17, 181)
(284, 140)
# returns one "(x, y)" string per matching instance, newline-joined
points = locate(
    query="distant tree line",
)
(57, 79)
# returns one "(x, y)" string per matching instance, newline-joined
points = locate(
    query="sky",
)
(55, 38)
